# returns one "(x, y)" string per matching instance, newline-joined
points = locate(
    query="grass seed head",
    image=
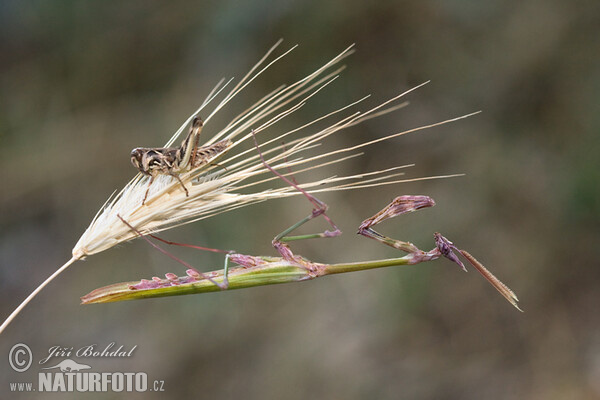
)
(225, 186)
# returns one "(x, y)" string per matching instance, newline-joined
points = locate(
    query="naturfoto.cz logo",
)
(69, 375)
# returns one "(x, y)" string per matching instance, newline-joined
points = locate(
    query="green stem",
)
(273, 271)
(364, 265)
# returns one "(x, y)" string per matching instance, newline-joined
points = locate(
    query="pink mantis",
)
(289, 267)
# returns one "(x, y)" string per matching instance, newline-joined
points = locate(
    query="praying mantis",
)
(304, 268)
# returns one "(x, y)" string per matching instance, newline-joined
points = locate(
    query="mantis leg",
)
(190, 245)
(226, 271)
(400, 205)
(320, 209)
(403, 205)
(222, 285)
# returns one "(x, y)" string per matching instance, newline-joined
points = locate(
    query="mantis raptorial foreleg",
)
(444, 247)
(400, 205)
(403, 205)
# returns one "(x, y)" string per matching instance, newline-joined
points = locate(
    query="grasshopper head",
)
(137, 155)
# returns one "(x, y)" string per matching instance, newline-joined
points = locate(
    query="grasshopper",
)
(153, 161)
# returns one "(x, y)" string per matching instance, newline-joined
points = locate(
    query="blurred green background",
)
(83, 82)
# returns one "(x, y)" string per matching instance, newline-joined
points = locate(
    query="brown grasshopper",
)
(176, 160)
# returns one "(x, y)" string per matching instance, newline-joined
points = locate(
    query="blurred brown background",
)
(81, 83)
